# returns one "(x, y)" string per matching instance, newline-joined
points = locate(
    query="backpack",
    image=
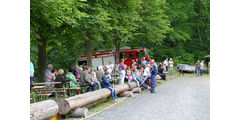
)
(65, 79)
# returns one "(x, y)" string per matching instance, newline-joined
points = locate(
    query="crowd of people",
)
(142, 72)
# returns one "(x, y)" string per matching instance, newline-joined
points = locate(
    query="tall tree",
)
(46, 17)
(123, 18)
(94, 25)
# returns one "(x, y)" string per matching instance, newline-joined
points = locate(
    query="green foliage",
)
(168, 28)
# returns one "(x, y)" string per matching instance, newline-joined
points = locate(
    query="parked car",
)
(189, 68)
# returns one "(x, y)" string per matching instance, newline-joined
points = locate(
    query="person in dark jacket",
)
(161, 72)
(106, 84)
(76, 72)
(59, 78)
(153, 71)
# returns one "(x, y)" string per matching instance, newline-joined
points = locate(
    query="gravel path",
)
(179, 99)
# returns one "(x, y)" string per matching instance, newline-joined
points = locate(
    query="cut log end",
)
(158, 81)
(43, 110)
(137, 90)
(79, 112)
(126, 93)
(64, 107)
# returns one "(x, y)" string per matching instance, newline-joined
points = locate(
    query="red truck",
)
(103, 57)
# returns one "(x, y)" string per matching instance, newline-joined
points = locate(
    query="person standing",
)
(166, 63)
(144, 62)
(171, 65)
(197, 66)
(123, 71)
(153, 71)
(180, 70)
(129, 74)
(111, 66)
(31, 74)
(201, 68)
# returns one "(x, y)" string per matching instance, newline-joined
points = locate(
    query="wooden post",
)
(81, 100)
(79, 112)
(43, 110)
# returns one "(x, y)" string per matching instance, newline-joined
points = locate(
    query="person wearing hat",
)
(106, 84)
(153, 71)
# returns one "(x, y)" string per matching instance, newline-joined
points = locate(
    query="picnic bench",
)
(41, 92)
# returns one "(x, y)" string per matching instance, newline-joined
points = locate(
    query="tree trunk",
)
(81, 100)
(41, 58)
(117, 46)
(79, 112)
(43, 110)
(89, 52)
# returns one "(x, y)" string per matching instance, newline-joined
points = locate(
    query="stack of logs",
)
(74, 105)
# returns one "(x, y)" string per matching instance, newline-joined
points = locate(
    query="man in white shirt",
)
(147, 74)
(166, 63)
(201, 68)
(110, 67)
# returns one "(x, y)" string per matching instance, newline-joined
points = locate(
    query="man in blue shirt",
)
(153, 71)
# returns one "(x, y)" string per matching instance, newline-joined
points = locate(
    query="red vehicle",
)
(103, 57)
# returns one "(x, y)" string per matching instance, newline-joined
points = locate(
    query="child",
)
(139, 80)
(106, 84)
(129, 77)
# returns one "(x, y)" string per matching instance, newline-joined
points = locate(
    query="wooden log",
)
(132, 85)
(79, 112)
(137, 90)
(158, 77)
(158, 81)
(81, 100)
(43, 110)
(125, 93)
